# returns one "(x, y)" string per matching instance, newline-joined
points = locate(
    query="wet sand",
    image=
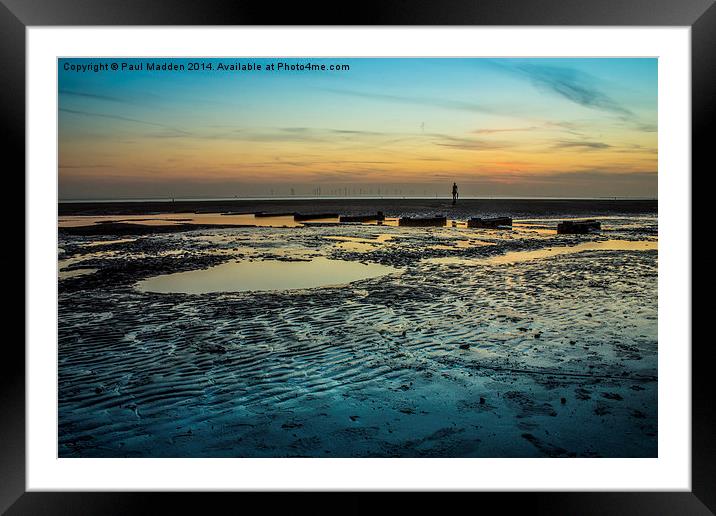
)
(548, 357)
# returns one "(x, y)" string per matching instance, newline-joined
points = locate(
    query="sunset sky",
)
(408, 127)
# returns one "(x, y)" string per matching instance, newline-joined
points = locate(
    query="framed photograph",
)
(441, 248)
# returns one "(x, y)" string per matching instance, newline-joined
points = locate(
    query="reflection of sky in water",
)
(75, 272)
(523, 256)
(62, 264)
(109, 242)
(360, 245)
(264, 276)
(461, 244)
(167, 219)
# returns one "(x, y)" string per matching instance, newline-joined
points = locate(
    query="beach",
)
(197, 329)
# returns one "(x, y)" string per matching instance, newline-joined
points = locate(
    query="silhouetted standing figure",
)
(454, 193)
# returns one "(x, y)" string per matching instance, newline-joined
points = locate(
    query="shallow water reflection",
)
(167, 219)
(360, 245)
(265, 275)
(109, 242)
(523, 256)
(74, 273)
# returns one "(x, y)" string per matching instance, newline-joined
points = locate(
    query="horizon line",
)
(329, 197)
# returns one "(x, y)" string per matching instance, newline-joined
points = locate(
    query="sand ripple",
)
(427, 363)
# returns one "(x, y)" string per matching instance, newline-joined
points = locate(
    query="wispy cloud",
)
(173, 130)
(471, 144)
(459, 105)
(568, 127)
(505, 130)
(318, 130)
(357, 132)
(85, 95)
(573, 85)
(647, 127)
(89, 165)
(585, 145)
(306, 134)
(320, 162)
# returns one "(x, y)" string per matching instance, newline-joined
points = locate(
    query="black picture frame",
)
(17, 15)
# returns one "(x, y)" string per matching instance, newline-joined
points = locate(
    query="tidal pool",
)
(75, 272)
(266, 275)
(109, 242)
(168, 219)
(523, 256)
(360, 245)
